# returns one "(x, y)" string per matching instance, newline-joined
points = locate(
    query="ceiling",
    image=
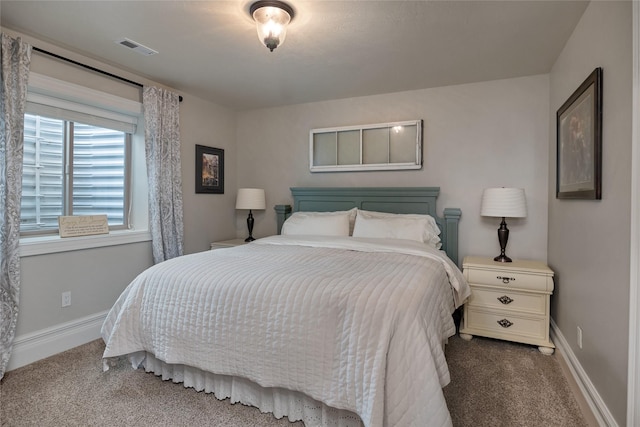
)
(334, 49)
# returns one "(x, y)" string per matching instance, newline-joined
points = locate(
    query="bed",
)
(332, 329)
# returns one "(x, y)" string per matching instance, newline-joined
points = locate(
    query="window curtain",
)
(14, 72)
(162, 145)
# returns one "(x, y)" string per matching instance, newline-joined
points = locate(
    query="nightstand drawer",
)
(509, 279)
(508, 326)
(533, 303)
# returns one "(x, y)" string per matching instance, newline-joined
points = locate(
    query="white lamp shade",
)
(250, 198)
(504, 202)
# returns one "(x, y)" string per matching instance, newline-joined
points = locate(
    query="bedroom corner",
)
(96, 276)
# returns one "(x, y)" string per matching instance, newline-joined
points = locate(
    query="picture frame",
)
(579, 142)
(209, 170)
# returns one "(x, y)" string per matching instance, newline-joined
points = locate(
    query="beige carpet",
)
(494, 384)
(497, 383)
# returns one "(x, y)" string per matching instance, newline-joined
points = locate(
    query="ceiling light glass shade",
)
(272, 18)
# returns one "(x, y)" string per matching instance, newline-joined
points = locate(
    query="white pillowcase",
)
(429, 234)
(390, 228)
(319, 223)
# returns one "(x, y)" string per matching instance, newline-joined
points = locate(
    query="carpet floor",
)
(493, 383)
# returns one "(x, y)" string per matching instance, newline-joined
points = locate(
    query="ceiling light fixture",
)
(272, 18)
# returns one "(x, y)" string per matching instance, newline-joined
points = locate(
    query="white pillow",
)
(318, 224)
(431, 231)
(390, 228)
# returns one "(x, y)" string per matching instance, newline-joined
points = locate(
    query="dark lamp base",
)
(250, 227)
(503, 237)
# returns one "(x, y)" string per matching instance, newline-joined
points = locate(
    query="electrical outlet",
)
(66, 299)
(579, 337)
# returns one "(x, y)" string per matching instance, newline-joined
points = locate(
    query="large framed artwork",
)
(579, 142)
(209, 170)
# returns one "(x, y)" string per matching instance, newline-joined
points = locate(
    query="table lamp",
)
(503, 202)
(250, 198)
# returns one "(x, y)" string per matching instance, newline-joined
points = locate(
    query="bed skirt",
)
(280, 402)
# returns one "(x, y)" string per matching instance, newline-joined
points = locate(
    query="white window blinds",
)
(51, 97)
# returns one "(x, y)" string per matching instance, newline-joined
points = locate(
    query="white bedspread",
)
(355, 323)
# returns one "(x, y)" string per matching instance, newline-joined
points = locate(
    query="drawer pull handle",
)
(505, 279)
(504, 323)
(505, 300)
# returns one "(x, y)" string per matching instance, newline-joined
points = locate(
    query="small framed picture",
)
(209, 170)
(579, 142)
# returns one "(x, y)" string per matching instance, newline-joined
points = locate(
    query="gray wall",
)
(207, 217)
(489, 134)
(589, 240)
(96, 277)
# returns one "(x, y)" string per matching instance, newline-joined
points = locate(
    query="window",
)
(94, 181)
(83, 155)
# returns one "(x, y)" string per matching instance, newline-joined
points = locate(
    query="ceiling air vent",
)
(136, 47)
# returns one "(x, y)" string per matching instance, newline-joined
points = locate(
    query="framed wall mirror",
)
(382, 146)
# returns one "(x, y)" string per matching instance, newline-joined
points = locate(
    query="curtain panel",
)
(14, 72)
(162, 149)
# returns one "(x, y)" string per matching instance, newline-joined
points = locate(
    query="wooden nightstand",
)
(509, 301)
(227, 243)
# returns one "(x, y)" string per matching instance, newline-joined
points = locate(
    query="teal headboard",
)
(420, 200)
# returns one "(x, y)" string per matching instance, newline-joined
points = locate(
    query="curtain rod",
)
(97, 70)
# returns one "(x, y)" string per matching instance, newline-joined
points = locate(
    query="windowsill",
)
(30, 246)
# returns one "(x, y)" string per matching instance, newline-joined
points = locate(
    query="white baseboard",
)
(38, 345)
(591, 395)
